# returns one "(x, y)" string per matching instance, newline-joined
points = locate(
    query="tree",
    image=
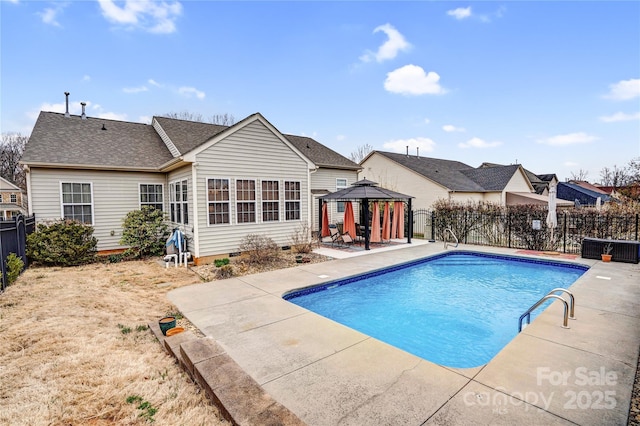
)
(360, 153)
(219, 119)
(616, 178)
(11, 149)
(580, 175)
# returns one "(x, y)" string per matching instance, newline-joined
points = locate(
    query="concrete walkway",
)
(329, 374)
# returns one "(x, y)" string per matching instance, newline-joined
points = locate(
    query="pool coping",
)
(329, 374)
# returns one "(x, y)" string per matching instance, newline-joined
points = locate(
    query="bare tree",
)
(633, 170)
(360, 153)
(225, 119)
(617, 177)
(580, 175)
(11, 150)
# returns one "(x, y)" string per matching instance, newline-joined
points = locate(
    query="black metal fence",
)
(525, 231)
(13, 239)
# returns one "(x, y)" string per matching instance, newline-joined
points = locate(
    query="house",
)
(581, 195)
(12, 200)
(215, 183)
(430, 179)
(540, 183)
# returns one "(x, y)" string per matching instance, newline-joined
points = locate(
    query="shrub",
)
(145, 232)
(301, 239)
(62, 243)
(14, 267)
(225, 271)
(259, 248)
(221, 262)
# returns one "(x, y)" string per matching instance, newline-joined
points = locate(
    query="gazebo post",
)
(365, 205)
(410, 220)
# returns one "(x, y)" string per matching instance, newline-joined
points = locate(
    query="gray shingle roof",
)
(319, 154)
(187, 135)
(60, 140)
(454, 175)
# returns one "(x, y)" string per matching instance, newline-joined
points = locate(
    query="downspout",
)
(195, 227)
(310, 200)
(27, 170)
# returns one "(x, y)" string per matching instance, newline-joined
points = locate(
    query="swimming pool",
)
(456, 309)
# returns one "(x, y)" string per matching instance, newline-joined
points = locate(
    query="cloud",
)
(191, 91)
(620, 116)
(427, 121)
(135, 89)
(147, 15)
(479, 143)
(460, 13)
(390, 48)
(412, 80)
(86, 78)
(154, 83)
(112, 116)
(341, 137)
(570, 164)
(452, 128)
(400, 145)
(146, 119)
(568, 139)
(50, 14)
(624, 90)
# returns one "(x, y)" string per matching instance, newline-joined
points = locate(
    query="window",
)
(151, 195)
(270, 201)
(0, 198)
(292, 200)
(178, 195)
(245, 201)
(77, 202)
(14, 198)
(218, 201)
(340, 184)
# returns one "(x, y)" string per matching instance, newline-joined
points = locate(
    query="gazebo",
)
(364, 191)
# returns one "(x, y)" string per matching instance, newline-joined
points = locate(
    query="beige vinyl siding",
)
(325, 179)
(395, 177)
(114, 195)
(253, 152)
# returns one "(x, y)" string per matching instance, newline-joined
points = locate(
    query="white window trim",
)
(176, 203)
(255, 201)
(140, 204)
(279, 200)
(62, 204)
(285, 200)
(338, 188)
(231, 195)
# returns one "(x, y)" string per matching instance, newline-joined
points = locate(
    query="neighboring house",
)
(430, 179)
(215, 183)
(540, 183)
(584, 196)
(12, 200)
(586, 185)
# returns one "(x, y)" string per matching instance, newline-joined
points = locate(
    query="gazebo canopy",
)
(365, 189)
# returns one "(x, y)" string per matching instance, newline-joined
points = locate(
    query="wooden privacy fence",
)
(526, 230)
(13, 239)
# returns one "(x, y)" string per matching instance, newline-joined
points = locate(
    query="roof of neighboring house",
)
(454, 175)
(7, 186)
(539, 184)
(572, 191)
(547, 177)
(587, 185)
(94, 142)
(62, 141)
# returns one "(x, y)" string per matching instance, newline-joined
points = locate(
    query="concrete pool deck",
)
(329, 374)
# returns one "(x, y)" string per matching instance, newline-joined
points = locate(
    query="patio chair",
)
(334, 237)
(346, 238)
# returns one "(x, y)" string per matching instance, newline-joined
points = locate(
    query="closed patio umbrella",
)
(386, 230)
(349, 220)
(325, 221)
(375, 223)
(552, 218)
(399, 206)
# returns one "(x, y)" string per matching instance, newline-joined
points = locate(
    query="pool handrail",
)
(527, 314)
(446, 243)
(572, 301)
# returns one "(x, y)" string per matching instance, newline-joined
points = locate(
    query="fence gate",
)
(423, 224)
(13, 239)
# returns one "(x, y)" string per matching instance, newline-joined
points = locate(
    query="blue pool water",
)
(457, 309)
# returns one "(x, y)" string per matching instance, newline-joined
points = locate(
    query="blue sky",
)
(554, 86)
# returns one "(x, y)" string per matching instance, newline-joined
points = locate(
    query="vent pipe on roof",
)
(407, 150)
(417, 151)
(84, 116)
(66, 95)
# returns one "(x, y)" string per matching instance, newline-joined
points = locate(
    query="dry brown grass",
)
(64, 358)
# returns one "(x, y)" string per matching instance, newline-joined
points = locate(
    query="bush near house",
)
(62, 243)
(15, 265)
(145, 232)
(259, 248)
